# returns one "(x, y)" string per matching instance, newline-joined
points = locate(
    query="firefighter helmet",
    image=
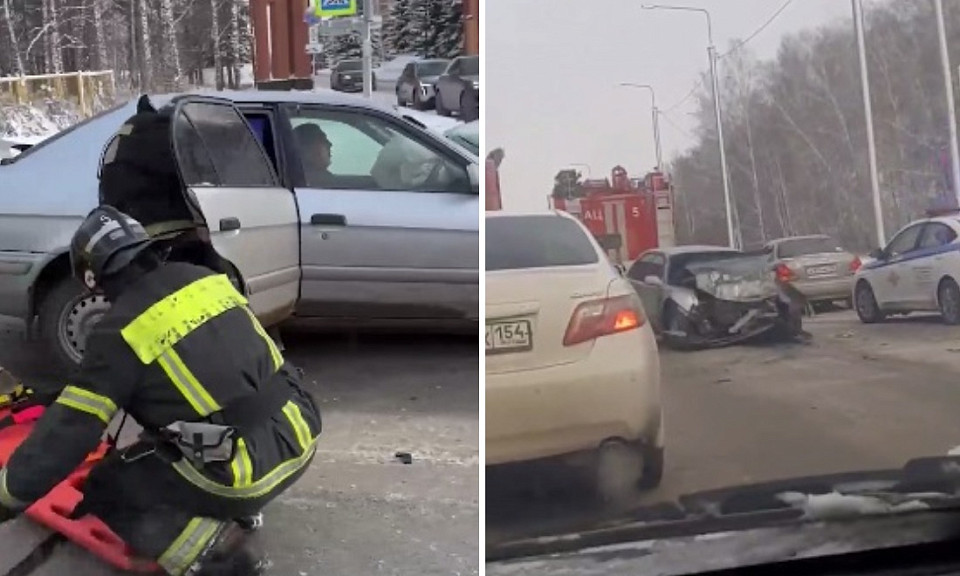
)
(106, 242)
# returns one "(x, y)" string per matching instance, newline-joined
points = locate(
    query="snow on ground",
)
(32, 123)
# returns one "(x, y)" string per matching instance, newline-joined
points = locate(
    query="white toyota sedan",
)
(572, 370)
(917, 271)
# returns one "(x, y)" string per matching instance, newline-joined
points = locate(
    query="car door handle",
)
(328, 220)
(228, 224)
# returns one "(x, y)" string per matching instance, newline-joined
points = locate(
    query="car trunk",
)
(544, 300)
(822, 265)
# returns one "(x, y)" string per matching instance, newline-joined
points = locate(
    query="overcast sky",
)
(552, 69)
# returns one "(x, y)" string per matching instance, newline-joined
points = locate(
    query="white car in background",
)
(917, 271)
(572, 369)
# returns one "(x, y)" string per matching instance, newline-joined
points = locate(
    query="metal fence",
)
(90, 91)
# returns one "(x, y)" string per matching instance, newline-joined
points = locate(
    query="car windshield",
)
(470, 66)
(523, 242)
(795, 247)
(432, 67)
(793, 255)
(350, 66)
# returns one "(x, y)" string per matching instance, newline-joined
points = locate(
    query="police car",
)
(918, 270)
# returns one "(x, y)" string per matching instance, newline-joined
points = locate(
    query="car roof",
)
(675, 250)
(804, 237)
(279, 96)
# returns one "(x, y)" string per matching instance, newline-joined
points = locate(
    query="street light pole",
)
(868, 112)
(951, 109)
(733, 234)
(367, 47)
(656, 119)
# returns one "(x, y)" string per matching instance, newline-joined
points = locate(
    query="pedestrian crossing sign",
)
(328, 8)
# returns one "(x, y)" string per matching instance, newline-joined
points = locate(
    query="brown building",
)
(280, 36)
(471, 27)
(280, 59)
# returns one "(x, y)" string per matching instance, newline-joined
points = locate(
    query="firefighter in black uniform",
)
(227, 426)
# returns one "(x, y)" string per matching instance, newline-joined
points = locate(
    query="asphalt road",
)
(856, 397)
(358, 510)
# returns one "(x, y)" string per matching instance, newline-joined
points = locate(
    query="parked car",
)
(347, 76)
(572, 370)
(458, 89)
(466, 135)
(816, 265)
(416, 84)
(708, 296)
(391, 235)
(917, 271)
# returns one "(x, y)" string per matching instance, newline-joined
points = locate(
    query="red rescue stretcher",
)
(53, 511)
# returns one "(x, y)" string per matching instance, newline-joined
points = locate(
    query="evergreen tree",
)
(432, 16)
(450, 34)
(398, 28)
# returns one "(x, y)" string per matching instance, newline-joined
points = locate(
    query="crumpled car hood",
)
(746, 278)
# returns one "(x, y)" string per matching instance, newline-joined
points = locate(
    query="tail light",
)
(598, 318)
(855, 264)
(784, 273)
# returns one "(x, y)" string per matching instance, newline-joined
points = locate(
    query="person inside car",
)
(316, 152)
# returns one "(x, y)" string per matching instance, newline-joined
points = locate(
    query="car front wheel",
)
(866, 304)
(948, 299)
(67, 314)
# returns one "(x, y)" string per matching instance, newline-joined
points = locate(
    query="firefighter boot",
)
(228, 555)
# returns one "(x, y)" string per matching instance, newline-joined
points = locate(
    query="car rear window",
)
(804, 246)
(518, 242)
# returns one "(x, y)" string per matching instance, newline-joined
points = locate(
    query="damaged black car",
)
(707, 297)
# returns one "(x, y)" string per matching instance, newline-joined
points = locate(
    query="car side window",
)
(647, 265)
(936, 234)
(216, 147)
(904, 242)
(350, 150)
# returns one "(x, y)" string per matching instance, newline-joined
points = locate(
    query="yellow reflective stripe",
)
(170, 320)
(299, 425)
(89, 402)
(242, 466)
(188, 545)
(274, 350)
(6, 498)
(256, 489)
(187, 383)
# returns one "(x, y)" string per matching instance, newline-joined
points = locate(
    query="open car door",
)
(232, 189)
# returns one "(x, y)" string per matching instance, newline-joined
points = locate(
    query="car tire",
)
(653, 466)
(865, 303)
(400, 101)
(67, 313)
(469, 107)
(438, 104)
(618, 472)
(948, 301)
(417, 103)
(673, 320)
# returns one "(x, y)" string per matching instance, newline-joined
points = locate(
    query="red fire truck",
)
(627, 215)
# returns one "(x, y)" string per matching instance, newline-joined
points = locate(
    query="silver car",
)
(816, 265)
(392, 236)
(709, 296)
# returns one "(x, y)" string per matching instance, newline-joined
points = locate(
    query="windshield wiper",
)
(922, 485)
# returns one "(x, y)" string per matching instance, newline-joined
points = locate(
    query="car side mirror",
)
(653, 280)
(473, 172)
(876, 254)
